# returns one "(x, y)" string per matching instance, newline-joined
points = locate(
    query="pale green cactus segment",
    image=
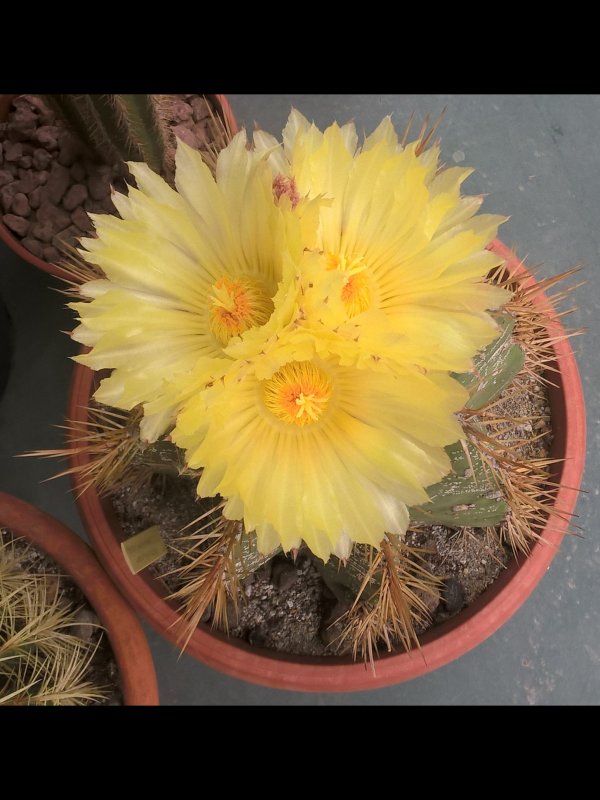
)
(468, 497)
(246, 557)
(117, 128)
(345, 579)
(147, 131)
(494, 368)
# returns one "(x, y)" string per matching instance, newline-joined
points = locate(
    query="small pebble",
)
(78, 172)
(87, 624)
(58, 182)
(35, 197)
(98, 186)
(7, 194)
(283, 574)
(44, 231)
(69, 150)
(200, 109)
(16, 224)
(47, 136)
(34, 247)
(180, 111)
(75, 196)
(453, 595)
(5, 177)
(41, 158)
(51, 254)
(181, 132)
(81, 220)
(257, 637)
(20, 205)
(13, 151)
(58, 218)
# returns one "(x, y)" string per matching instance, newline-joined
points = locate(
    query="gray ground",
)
(538, 158)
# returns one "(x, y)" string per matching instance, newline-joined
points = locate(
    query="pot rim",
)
(11, 241)
(441, 644)
(127, 639)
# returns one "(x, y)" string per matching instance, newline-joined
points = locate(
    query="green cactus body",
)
(119, 127)
(494, 368)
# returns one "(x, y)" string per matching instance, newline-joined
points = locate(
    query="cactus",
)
(494, 368)
(119, 127)
(42, 661)
(468, 497)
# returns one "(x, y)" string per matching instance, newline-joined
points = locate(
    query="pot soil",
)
(285, 601)
(54, 544)
(48, 185)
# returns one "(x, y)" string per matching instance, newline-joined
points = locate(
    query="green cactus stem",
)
(494, 368)
(468, 497)
(118, 127)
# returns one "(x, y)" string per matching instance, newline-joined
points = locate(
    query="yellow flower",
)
(293, 324)
(195, 278)
(400, 256)
(321, 452)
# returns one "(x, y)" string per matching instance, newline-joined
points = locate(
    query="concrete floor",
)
(538, 158)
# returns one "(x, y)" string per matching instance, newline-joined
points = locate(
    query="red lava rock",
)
(14, 133)
(41, 158)
(23, 116)
(93, 206)
(35, 197)
(180, 110)
(58, 182)
(69, 149)
(181, 132)
(199, 109)
(69, 235)
(33, 246)
(25, 162)
(81, 219)
(56, 216)
(78, 172)
(51, 254)
(201, 130)
(6, 198)
(47, 136)
(98, 186)
(20, 205)
(5, 177)
(36, 102)
(44, 231)
(16, 224)
(40, 178)
(107, 205)
(12, 151)
(75, 196)
(25, 184)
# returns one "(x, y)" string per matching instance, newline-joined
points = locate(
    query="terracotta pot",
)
(440, 645)
(127, 639)
(220, 102)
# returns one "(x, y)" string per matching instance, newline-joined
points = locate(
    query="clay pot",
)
(127, 639)
(441, 644)
(220, 103)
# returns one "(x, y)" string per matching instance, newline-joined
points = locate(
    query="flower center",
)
(298, 393)
(356, 292)
(237, 305)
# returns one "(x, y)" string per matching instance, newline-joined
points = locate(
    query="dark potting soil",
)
(48, 184)
(103, 670)
(285, 605)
